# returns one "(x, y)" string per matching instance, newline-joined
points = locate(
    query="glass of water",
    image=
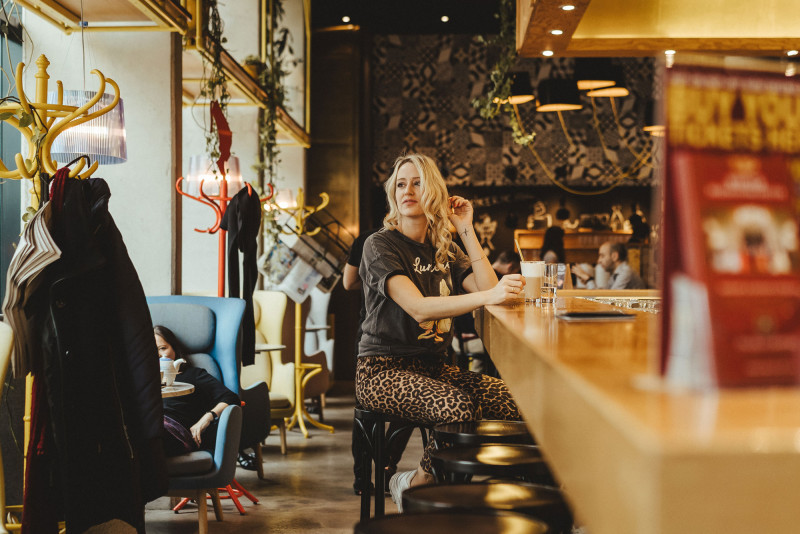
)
(549, 283)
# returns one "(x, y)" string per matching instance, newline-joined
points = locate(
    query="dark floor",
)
(308, 490)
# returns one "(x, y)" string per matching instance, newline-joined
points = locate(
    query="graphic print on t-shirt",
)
(442, 326)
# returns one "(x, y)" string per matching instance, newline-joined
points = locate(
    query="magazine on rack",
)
(730, 234)
(290, 274)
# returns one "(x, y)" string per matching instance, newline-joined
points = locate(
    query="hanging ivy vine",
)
(271, 78)
(500, 76)
(214, 85)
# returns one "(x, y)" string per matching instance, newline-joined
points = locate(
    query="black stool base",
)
(371, 430)
(540, 502)
(498, 461)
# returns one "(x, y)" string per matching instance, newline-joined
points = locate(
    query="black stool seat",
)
(492, 460)
(540, 502)
(372, 433)
(438, 523)
(471, 433)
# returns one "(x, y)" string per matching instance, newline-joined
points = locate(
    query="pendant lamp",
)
(616, 89)
(102, 138)
(651, 124)
(201, 168)
(558, 94)
(594, 73)
(521, 88)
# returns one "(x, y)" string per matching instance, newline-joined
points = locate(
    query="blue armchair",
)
(256, 420)
(210, 329)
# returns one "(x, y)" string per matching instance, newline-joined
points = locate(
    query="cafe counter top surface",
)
(634, 457)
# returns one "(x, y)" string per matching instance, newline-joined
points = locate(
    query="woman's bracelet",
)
(479, 259)
(214, 416)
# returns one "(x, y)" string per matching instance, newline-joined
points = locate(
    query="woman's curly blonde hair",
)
(435, 204)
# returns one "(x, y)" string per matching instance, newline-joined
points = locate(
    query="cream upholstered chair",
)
(269, 308)
(275, 314)
(319, 331)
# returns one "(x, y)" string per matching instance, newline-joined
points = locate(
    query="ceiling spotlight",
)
(568, 7)
(445, 18)
(669, 52)
(556, 32)
(547, 53)
(345, 19)
(791, 53)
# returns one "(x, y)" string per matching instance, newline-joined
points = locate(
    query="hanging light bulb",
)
(102, 138)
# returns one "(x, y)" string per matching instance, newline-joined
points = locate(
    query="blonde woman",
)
(411, 273)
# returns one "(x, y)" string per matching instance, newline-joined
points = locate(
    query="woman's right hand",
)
(509, 288)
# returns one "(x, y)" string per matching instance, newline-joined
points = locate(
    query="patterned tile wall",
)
(423, 86)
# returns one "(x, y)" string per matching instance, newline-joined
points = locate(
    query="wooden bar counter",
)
(632, 457)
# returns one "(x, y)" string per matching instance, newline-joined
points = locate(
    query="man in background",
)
(506, 263)
(613, 258)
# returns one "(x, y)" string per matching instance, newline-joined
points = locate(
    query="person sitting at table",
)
(613, 258)
(507, 262)
(409, 270)
(553, 245)
(190, 421)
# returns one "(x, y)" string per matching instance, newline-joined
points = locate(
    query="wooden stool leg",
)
(202, 511)
(259, 461)
(215, 502)
(282, 427)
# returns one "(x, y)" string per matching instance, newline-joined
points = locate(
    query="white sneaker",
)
(398, 484)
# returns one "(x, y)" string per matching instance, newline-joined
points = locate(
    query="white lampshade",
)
(284, 198)
(102, 138)
(202, 168)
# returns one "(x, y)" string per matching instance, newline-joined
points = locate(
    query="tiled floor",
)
(308, 490)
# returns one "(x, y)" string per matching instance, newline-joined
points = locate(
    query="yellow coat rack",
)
(40, 123)
(303, 372)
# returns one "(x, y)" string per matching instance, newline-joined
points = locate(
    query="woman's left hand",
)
(199, 426)
(460, 213)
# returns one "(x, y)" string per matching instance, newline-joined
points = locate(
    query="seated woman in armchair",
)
(190, 421)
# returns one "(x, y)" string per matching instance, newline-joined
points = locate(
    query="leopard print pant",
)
(430, 391)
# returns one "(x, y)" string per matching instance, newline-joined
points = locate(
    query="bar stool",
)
(474, 523)
(540, 502)
(372, 432)
(503, 461)
(472, 433)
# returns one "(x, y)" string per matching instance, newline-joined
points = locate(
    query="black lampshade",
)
(616, 89)
(558, 94)
(521, 88)
(651, 121)
(594, 73)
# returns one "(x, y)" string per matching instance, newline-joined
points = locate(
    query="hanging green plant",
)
(214, 87)
(271, 79)
(500, 78)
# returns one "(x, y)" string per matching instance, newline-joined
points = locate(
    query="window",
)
(10, 143)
